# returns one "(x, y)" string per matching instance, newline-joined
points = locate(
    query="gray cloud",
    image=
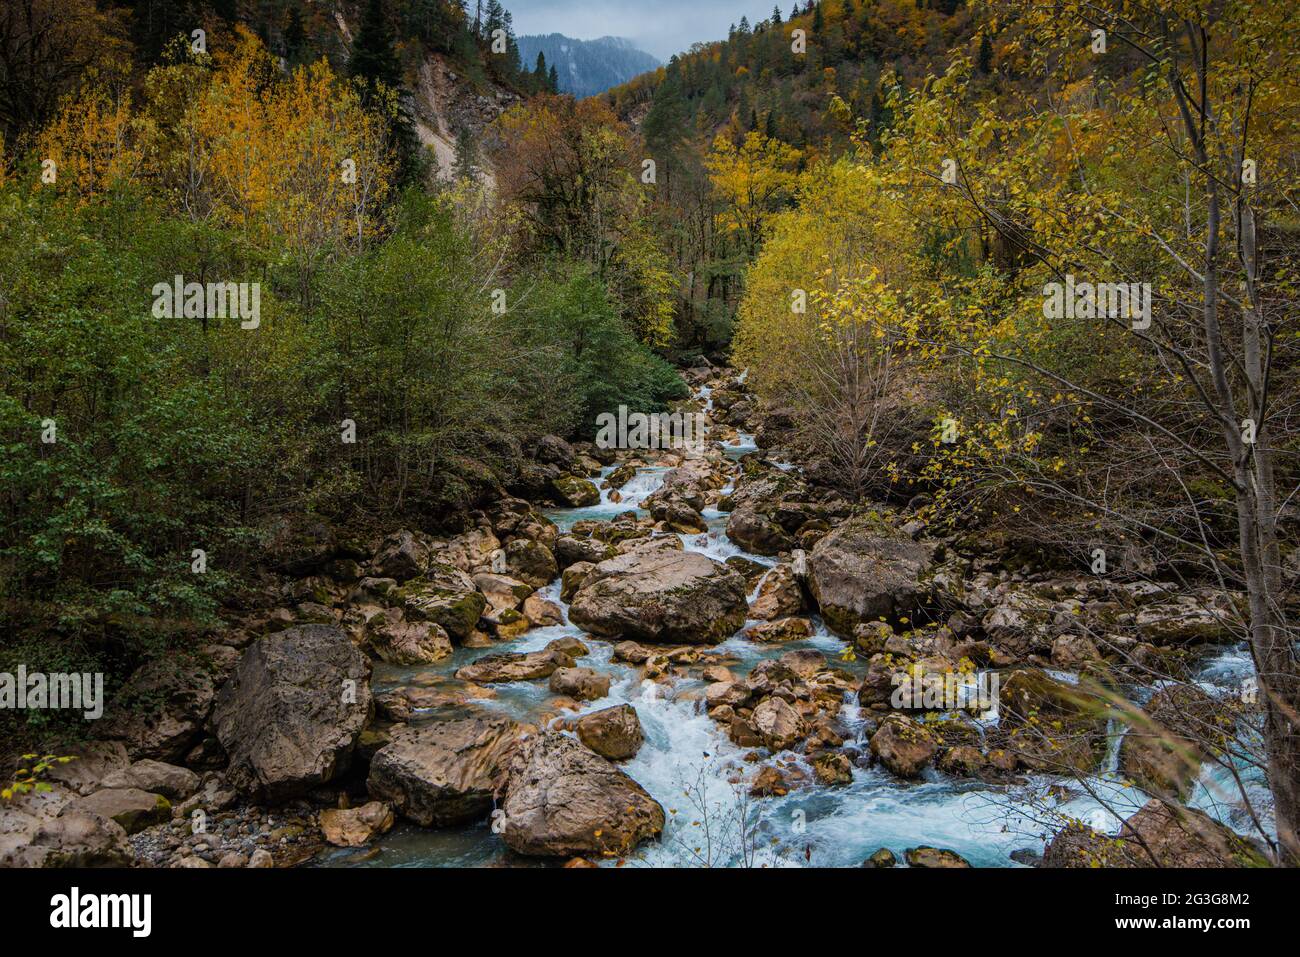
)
(661, 27)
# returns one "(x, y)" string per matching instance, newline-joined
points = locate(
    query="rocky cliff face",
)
(445, 101)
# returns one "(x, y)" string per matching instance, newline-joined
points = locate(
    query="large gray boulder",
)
(564, 800)
(661, 595)
(863, 571)
(290, 715)
(445, 773)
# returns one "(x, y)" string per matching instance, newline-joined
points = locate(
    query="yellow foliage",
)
(753, 181)
(91, 142)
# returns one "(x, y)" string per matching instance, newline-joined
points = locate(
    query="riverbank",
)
(728, 633)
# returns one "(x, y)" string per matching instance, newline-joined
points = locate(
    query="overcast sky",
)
(661, 27)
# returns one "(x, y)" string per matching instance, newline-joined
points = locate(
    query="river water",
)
(700, 777)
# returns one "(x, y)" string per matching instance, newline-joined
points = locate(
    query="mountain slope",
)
(756, 78)
(587, 67)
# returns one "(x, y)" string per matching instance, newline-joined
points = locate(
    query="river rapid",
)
(701, 778)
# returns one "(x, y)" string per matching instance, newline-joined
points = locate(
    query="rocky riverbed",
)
(671, 658)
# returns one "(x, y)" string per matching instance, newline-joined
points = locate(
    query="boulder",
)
(1159, 835)
(769, 782)
(613, 733)
(1022, 623)
(963, 761)
(132, 809)
(514, 666)
(863, 571)
(542, 612)
(755, 532)
(884, 857)
(572, 579)
(575, 492)
(401, 556)
(1165, 744)
(553, 450)
(470, 551)
(833, 768)
(564, 800)
(358, 826)
(531, 562)
(570, 645)
(779, 595)
(91, 763)
(514, 518)
(174, 783)
(1050, 725)
(444, 773)
(44, 830)
(1186, 622)
(159, 712)
(1074, 652)
(446, 596)
(903, 746)
(584, 684)
(803, 662)
(290, 715)
(502, 592)
(782, 629)
(733, 693)
(678, 516)
(778, 724)
(392, 639)
(570, 550)
(933, 857)
(661, 595)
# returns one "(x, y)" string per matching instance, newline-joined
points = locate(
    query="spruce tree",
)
(294, 36)
(465, 165)
(374, 64)
(373, 58)
(985, 60)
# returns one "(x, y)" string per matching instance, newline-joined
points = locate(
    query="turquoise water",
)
(700, 777)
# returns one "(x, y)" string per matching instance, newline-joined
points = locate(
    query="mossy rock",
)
(576, 492)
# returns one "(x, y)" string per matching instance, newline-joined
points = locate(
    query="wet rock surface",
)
(517, 659)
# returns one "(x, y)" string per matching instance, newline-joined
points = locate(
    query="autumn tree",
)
(754, 180)
(1220, 100)
(1149, 417)
(572, 170)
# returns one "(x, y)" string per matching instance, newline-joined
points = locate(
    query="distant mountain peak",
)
(587, 67)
